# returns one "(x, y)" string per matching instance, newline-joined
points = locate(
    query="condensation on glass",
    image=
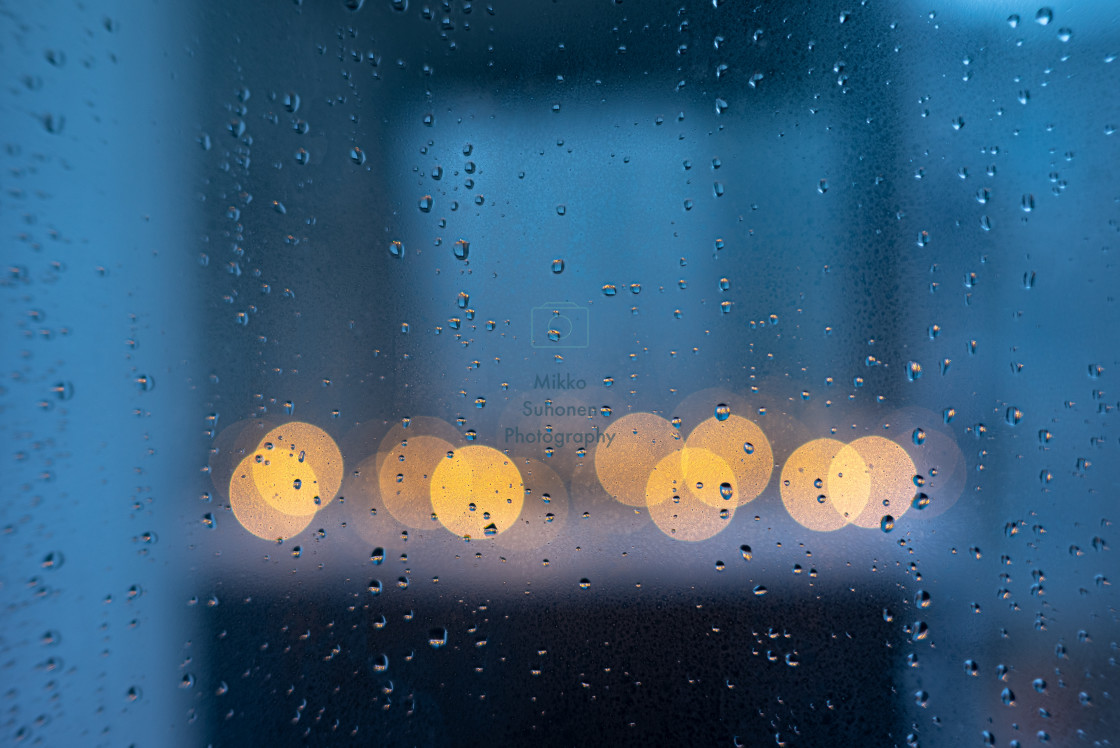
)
(412, 373)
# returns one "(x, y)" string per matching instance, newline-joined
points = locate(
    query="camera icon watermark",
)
(559, 324)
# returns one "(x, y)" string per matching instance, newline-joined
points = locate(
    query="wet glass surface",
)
(404, 373)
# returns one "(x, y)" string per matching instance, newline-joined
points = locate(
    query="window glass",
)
(492, 373)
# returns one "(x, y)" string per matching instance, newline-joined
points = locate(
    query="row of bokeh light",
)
(426, 472)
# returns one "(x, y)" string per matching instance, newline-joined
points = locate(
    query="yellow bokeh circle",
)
(884, 473)
(804, 482)
(257, 515)
(633, 446)
(477, 493)
(691, 494)
(308, 446)
(405, 478)
(288, 483)
(743, 446)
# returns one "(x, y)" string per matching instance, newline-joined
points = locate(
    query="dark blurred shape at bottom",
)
(659, 668)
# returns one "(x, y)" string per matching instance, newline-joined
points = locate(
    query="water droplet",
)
(396, 249)
(377, 556)
(1014, 415)
(557, 266)
(584, 583)
(437, 637)
(919, 436)
(725, 491)
(561, 209)
(1007, 696)
(887, 523)
(913, 371)
(1013, 20)
(748, 448)
(462, 249)
(609, 290)
(822, 186)
(1065, 34)
(720, 566)
(1044, 16)
(375, 587)
(746, 551)
(425, 204)
(723, 411)
(358, 156)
